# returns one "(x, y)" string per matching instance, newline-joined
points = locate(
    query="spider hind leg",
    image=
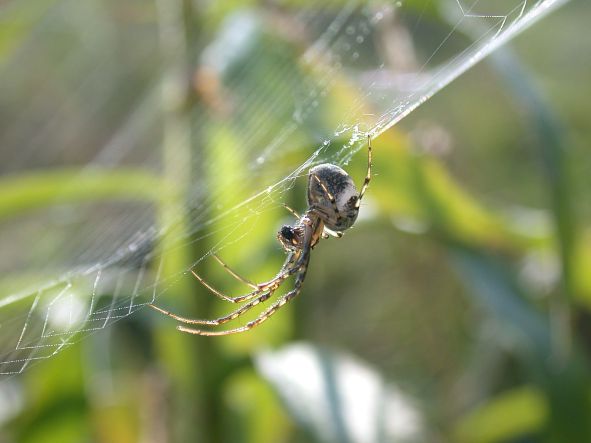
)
(367, 175)
(329, 195)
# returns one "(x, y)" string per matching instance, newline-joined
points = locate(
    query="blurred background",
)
(139, 138)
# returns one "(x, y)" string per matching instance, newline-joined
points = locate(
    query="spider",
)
(333, 206)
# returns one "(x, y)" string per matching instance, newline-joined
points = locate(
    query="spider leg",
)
(244, 297)
(234, 274)
(368, 175)
(266, 294)
(292, 265)
(236, 299)
(264, 291)
(221, 320)
(271, 285)
(330, 233)
(294, 213)
(331, 197)
(302, 269)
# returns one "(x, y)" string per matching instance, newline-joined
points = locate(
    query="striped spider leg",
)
(301, 275)
(261, 293)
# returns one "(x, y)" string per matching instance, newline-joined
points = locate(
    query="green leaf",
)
(514, 413)
(20, 193)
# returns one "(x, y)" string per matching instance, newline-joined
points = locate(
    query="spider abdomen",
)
(326, 181)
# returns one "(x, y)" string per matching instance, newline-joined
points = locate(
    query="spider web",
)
(74, 264)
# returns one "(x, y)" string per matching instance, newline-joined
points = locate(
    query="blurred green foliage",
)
(430, 287)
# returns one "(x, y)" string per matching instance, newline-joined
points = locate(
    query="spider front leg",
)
(302, 269)
(221, 320)
(258, 288)
(262, 294)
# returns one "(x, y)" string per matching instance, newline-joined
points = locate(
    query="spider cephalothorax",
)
(333, 206)
(291, 237)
